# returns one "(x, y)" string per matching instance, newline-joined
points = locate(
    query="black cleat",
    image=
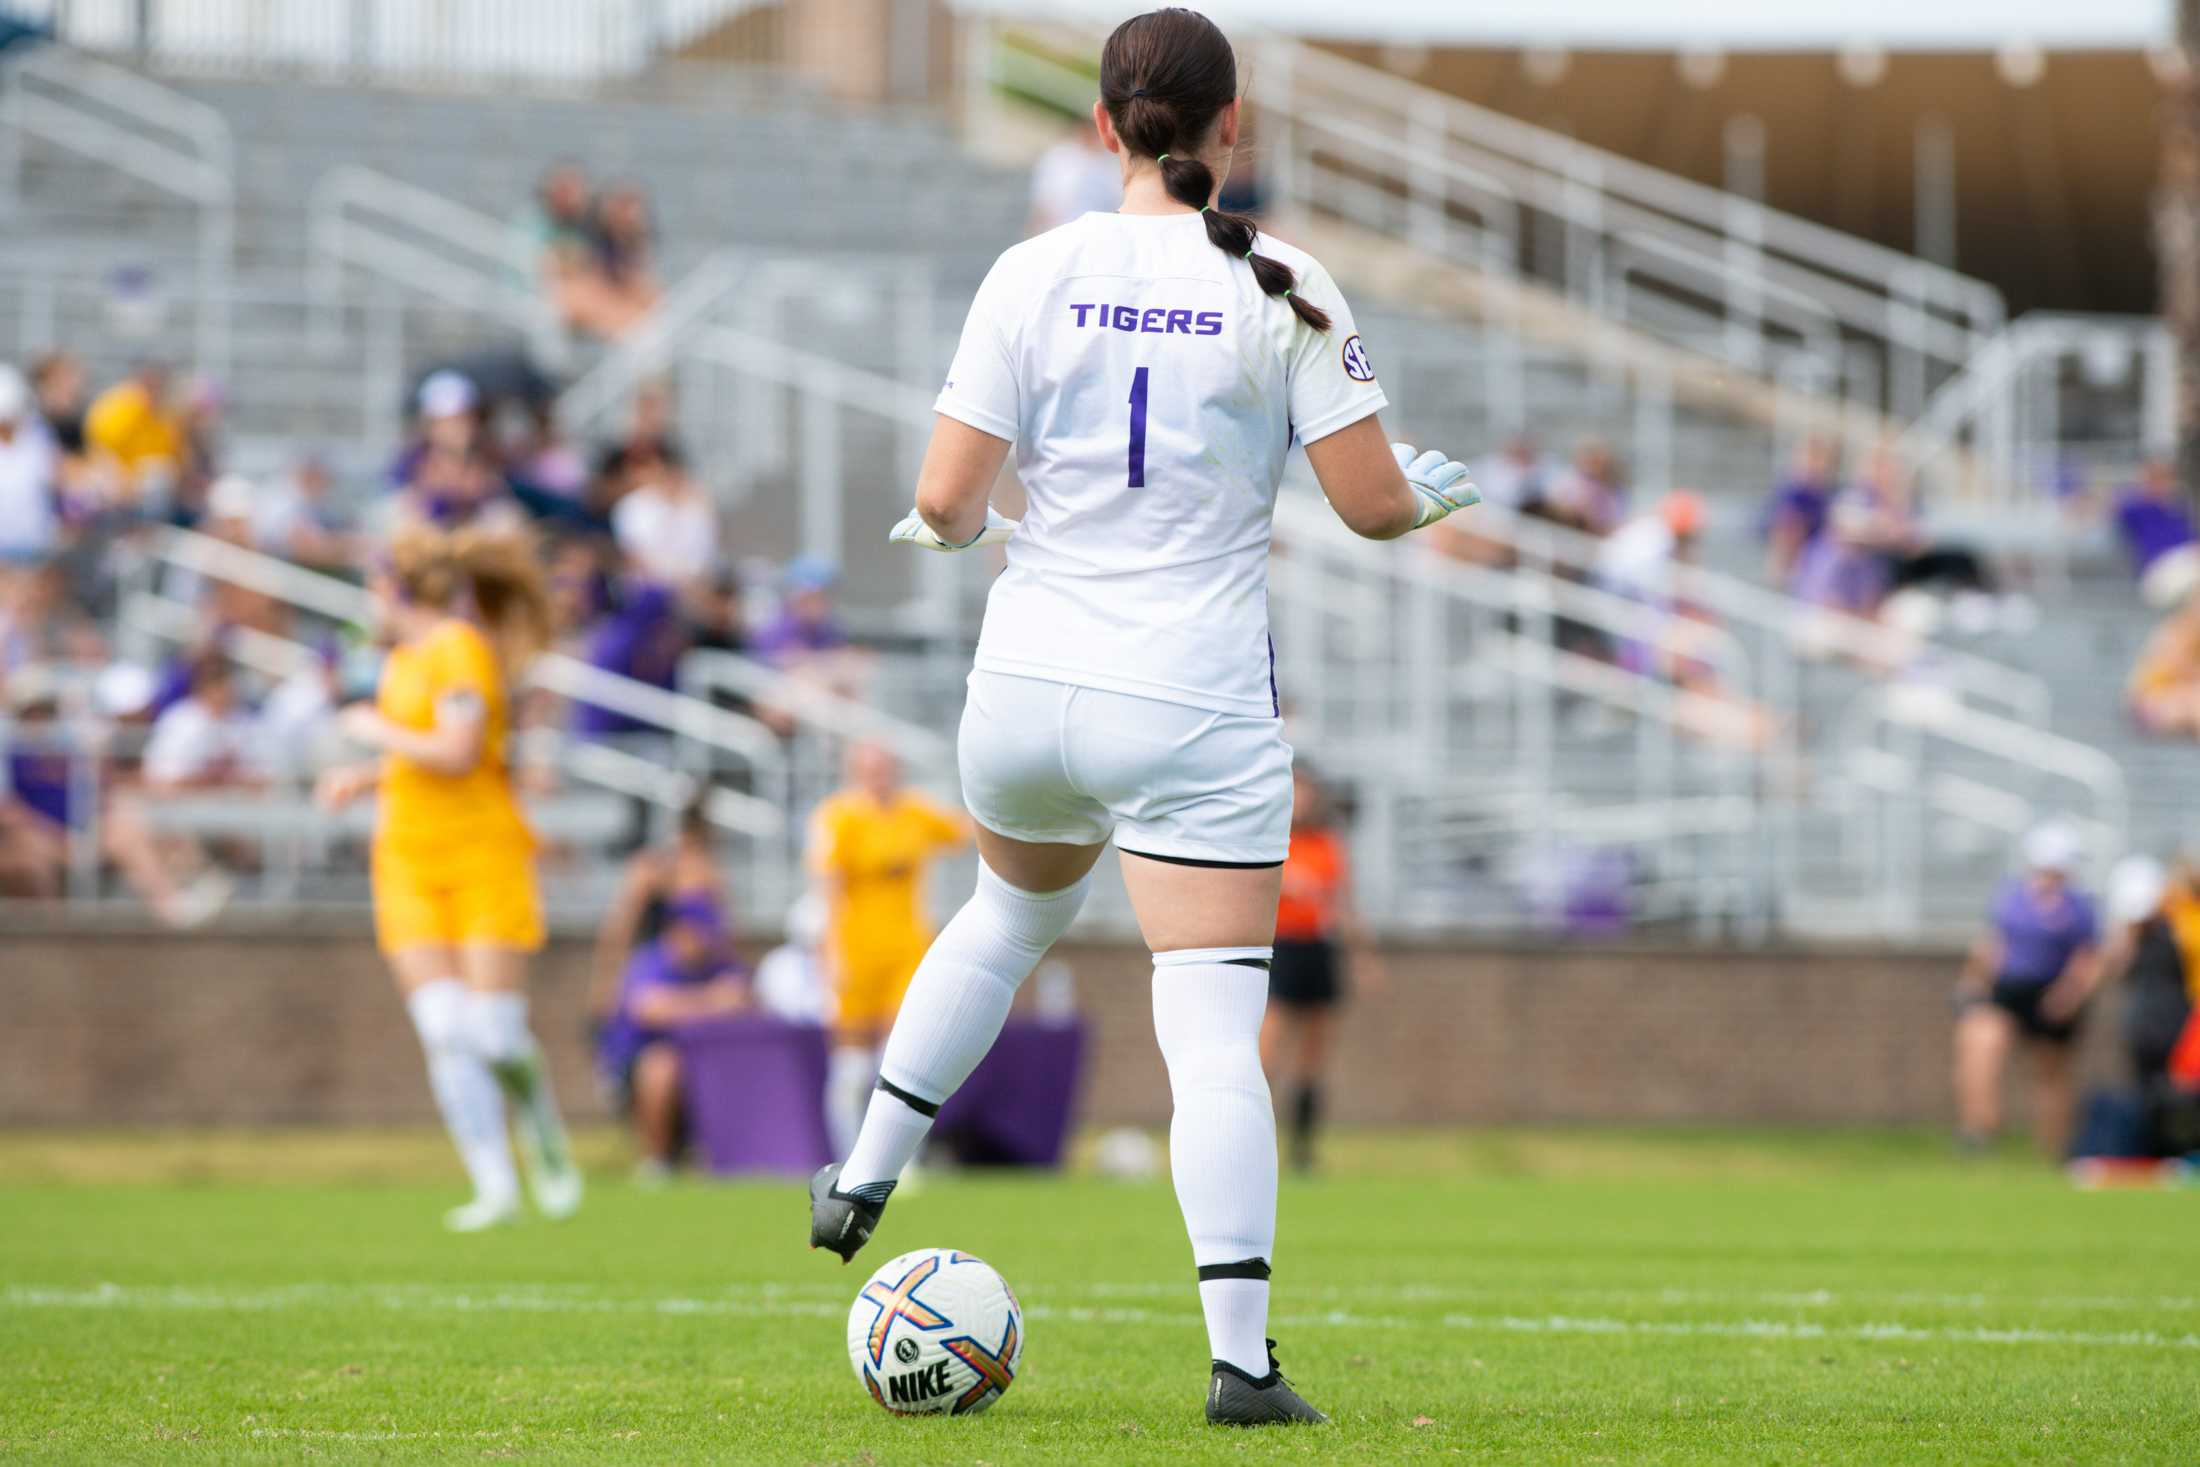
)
(838, 1221)
(1236, 1399)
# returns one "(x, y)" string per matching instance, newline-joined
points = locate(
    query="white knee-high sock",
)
(497, 1022)
(1207, 1008)
(953, 1012)
(465, 1091)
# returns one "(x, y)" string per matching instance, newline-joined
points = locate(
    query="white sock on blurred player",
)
(849, 1072)
(498, 1024)
(956, 1005)
(465, 1091)
(1207, 1009)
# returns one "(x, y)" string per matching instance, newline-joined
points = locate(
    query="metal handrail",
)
(554, 672)
(470, 264)
(1786, 620)
(179, 145)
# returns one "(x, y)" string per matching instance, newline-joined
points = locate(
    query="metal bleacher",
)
(1470, 784)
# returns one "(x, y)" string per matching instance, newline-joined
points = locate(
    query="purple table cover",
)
(756, 1089)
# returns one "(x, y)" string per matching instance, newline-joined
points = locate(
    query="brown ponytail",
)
(1164, 78)
(493, 575)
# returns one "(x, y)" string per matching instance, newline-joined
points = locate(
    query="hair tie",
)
(1287, 294)
(1138, 91)
(1162, 159)
(1249, 252)
(1206, 208)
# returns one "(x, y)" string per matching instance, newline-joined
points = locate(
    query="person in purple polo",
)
(2028, 977)
(687, 973)
(2156, 528)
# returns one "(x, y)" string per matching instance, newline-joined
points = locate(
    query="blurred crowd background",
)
(1838, 557)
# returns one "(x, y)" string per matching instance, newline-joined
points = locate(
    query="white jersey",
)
(1152, 391)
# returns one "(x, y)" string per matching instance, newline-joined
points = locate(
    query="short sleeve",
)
(464, 665)
(981, 385)
(1332, 378)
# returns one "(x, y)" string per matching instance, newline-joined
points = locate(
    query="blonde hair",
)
(494, 577)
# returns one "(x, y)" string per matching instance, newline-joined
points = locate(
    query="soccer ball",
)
(936, 1330)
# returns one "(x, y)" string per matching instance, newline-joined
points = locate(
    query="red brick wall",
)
(121, 1029)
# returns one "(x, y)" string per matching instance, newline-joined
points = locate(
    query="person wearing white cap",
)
(2028, 977)
(30, 467)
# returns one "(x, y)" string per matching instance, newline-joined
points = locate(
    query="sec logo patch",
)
(1356, 364)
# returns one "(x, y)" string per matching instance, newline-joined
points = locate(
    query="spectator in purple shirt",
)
(2028, 977)
(1800, 507)
(2157, 531)
(688, 973)
(642, 639)
(807, 640)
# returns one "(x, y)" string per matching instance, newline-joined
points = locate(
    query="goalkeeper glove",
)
(914, 531)
(1441, 486)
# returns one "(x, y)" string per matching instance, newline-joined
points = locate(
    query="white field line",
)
(779, 1304)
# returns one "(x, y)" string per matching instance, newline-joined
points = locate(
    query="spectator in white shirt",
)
(666, 524)
(207, 740)
(30, 525)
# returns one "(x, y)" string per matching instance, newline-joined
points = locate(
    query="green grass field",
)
(1518, 1297)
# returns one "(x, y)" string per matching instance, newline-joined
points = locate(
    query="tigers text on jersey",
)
(1152, 391)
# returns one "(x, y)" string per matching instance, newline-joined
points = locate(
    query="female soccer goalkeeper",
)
(1151, 368)
(456, 910)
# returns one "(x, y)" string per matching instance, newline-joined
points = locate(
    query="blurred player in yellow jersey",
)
(456, 910)
(869, 846)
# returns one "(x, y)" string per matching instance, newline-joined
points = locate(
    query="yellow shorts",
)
(484, 902)
(869, 981)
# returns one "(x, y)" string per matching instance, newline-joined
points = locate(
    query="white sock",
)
(1207, 1008)
(849, 1071)
(497, 1022)
(465, 1091)
(954, 1010)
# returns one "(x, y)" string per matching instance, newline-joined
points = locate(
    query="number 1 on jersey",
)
(1138, 429)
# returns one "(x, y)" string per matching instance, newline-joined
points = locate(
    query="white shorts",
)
(1058, 764)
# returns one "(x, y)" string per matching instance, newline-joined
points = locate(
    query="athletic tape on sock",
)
(1244, 1268)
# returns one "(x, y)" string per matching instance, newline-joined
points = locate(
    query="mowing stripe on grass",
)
(776, 1303)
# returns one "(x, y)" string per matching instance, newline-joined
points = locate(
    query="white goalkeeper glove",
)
(914, 531)
(1441, 486)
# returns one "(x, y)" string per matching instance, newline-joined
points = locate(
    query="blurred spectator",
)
(2156, 527)
(805, 638)
(647, 437)
(294, 517)
(136, 430)
(296, 723)
(30, 469)
(666, 523)
(1518, 475)
(40, 624)
(625, 239)
(57, 379)
(2028, 977)
(684, 869)
(1589, 496)
(206, 741)
(548, 472)
(2164, 691)
(686, 974)
(1637, 560)
(551, 234)
(642, 639)
(55, 784)
(1075, 177)
(791, 980)
(449, 478)
(1800, 507)
(2143, 952)
(807, 628)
